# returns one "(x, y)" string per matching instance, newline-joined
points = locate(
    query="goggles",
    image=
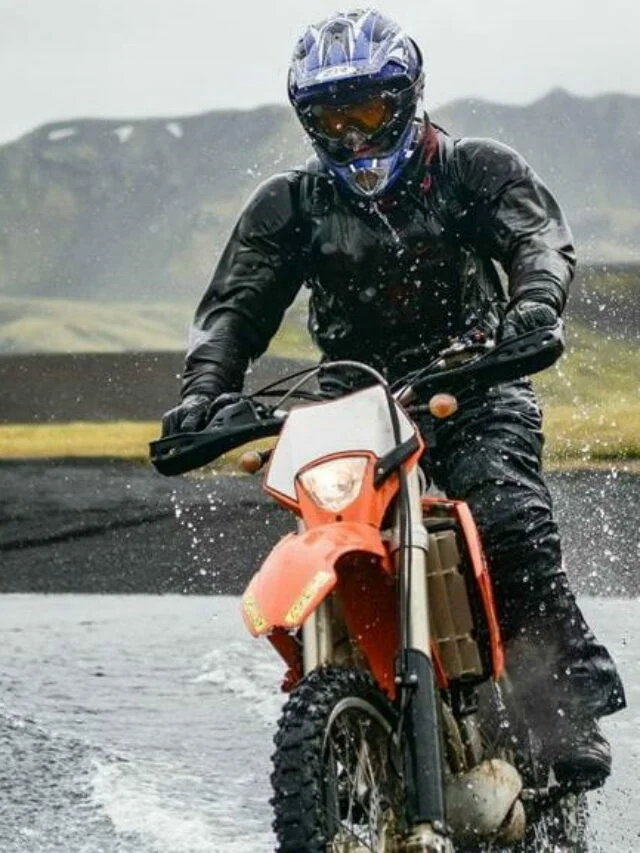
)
(366, 117)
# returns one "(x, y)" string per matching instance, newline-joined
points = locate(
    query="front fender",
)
(301, 571)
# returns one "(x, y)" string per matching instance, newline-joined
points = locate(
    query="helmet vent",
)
(368, 180)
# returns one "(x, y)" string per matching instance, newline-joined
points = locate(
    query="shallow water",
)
(143, 724)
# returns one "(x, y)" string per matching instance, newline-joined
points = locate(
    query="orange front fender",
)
(301, 571)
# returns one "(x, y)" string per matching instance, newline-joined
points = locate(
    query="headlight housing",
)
(334, 484)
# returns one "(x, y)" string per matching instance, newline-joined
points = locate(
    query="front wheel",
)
(336, 778)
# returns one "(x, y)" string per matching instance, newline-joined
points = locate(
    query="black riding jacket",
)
(404, 272)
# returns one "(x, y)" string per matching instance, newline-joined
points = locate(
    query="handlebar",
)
(247, 420)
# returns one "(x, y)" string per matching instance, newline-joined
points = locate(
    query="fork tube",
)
(317, 637)
(415, 581)
(423, 761)
(317, 632)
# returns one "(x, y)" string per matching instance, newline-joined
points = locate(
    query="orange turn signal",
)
(251, 462)
(443, 405)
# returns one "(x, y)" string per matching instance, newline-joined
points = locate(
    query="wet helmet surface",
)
(356, 84)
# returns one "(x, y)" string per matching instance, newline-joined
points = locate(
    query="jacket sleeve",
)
(254, 283)
(517, 219)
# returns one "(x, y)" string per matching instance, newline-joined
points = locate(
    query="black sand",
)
(101, 526)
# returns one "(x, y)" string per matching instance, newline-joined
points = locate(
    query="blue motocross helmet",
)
(356, 84)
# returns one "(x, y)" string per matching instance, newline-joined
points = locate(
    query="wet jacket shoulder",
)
(255, 281)
(512, 216)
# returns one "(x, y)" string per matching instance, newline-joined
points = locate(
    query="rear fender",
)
(300, 572)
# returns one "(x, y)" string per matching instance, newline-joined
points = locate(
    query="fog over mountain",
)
(138, 210)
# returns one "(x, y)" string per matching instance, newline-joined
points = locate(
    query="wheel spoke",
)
(356, 770)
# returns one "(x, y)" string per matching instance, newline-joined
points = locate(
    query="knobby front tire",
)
(335, 769)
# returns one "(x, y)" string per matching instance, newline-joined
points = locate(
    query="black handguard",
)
(232, 427)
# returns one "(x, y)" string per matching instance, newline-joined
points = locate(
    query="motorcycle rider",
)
(395, 227)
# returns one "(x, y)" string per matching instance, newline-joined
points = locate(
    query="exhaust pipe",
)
(484, 803)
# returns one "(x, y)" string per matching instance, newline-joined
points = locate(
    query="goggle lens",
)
(368, 117)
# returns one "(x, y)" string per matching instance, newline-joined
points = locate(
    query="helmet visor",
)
(367, 117)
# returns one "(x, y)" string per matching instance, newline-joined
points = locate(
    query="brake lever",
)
(241, 413)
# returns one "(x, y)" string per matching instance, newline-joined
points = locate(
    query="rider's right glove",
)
(528, 315)
(190, 415)
(195, 412)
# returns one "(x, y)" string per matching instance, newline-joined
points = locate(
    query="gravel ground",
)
(91, 526)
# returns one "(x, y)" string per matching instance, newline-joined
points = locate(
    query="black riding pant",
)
(489, 454)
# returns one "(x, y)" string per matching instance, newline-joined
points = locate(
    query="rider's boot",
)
(555, 681)
(581, 759)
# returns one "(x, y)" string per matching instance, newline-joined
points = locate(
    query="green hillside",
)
(63, 325)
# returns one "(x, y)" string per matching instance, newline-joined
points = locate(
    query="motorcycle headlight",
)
(335, 484)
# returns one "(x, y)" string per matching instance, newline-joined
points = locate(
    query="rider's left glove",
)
(527, 315)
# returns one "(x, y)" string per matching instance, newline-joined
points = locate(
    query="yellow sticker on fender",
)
(317, 582)
(250, 607)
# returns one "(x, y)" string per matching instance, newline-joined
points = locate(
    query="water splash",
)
(253, 676)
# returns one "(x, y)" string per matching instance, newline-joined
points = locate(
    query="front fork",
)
(317, 637)
(423, 761)
(317, 632)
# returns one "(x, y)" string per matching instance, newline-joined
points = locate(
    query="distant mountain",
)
(138, 210)
(130, 210)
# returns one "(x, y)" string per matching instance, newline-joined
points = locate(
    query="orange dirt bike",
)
(400, 734)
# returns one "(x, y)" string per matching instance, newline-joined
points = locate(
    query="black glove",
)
(195, 412)
(527, 316)
(190, 416)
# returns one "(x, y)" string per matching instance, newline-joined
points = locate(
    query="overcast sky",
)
(63, 59)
